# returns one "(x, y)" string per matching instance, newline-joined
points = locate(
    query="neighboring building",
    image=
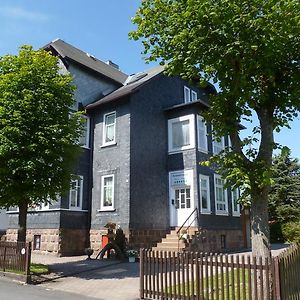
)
(3, 221)
(140, 167)
(63, 226)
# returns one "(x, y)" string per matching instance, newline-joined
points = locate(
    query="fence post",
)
(141, 273)
(4, 258)
(276, 278)
(27, 262)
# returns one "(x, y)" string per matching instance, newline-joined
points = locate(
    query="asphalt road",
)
(17, 291)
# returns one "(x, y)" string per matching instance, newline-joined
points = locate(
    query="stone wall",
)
(217, 241)
(63, 242)
(135, 238)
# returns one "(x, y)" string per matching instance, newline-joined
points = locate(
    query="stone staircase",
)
(172, 242)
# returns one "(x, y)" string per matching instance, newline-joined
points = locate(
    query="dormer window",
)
(189, 95)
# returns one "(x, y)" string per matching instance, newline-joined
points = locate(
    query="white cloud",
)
(21, 13)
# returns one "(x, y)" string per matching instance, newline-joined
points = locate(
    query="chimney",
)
(112, 64)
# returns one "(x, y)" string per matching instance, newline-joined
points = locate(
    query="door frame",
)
(186, 176)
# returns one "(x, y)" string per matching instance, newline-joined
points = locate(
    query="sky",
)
(99, 27)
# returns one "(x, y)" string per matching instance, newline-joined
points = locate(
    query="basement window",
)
(37, 242)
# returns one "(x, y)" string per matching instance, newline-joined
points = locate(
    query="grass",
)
(210, 285)
(35, 269)
(38, 269)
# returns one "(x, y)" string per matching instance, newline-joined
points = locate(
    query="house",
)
(3, 221)
(149, 139)
(140, 166)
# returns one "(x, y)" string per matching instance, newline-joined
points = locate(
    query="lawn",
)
(211, 287)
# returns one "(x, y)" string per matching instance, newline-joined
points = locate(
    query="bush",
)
(291, 232)
(276, 235)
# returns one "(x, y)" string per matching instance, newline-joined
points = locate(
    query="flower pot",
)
(131, 259)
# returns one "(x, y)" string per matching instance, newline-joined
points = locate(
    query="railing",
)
(170, 275)
(188, 275)
(185, 222)
(15, 257)
(288, 273)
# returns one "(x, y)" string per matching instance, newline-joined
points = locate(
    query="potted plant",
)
(131, 254)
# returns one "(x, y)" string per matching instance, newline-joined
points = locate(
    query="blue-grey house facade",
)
(148, 177)
(140, 166)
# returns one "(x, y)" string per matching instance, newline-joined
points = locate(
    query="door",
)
(181, 197)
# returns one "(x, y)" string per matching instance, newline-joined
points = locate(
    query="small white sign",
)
(23, 251)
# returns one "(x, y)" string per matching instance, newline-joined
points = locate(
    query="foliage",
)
(37, 134)
(291, 231)
(251, 48)
(284, 197)
(132, 253)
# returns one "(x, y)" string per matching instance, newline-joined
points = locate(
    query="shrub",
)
(291, 231)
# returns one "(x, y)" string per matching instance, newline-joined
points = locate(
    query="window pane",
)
(110, 133)
(83, 139)
(194, 96)
(110, 119)
(107, 191)
(187, 94)
(204, 199)
(181, 134)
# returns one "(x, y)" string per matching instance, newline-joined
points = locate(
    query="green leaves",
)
(37, 138)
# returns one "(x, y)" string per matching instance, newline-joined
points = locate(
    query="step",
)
(171, 244)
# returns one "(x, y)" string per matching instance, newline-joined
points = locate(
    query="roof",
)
(183, 105)
(132, 84)
(66, 50)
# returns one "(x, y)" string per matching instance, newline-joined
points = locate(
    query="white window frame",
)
(187, 94)
(78, 180)
(86, 143)
(235, 213)
(194, 96)
(208, 209)
(191, 119)
(105, 129)
(214, 142)
(112, 207)
(220, 212)
(200, 147)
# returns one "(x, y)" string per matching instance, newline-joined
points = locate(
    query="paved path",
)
(102, 279)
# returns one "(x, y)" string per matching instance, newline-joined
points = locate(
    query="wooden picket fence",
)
(187, 275)
(15, 257)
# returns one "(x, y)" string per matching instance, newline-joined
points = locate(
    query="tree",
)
(284, 197)
(37, 133)
(251, 49)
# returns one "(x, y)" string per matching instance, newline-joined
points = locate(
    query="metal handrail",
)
(197, 217)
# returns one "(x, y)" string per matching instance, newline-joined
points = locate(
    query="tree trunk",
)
(260, 232)
(22, 221)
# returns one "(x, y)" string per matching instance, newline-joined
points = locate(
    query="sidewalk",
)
(102, 279)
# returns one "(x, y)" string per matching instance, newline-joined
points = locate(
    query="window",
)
(181, 133)
(194, 96)
(183, 198)
(109, 129)
(202, 134)
(107, 192)
(85, 137)
(218, 144)
(220, 196)
(76, 193)
(36, 242)
(189, 95)
(235, 194)
(204, 194)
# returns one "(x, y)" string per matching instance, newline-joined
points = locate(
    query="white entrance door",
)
(181, 193)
